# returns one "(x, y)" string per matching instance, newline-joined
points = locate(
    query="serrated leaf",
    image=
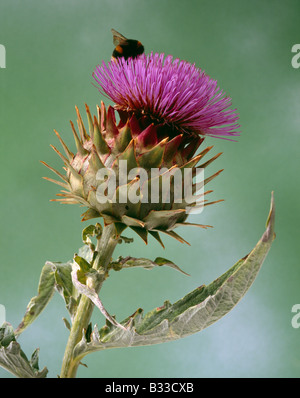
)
(64, 286)
(57, 276)
(13, 359)
(193, 313)
(54, 276)
(133, 262)
(39, 302)
(80, 284)
(91, 231)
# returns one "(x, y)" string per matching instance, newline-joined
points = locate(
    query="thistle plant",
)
(137, 165)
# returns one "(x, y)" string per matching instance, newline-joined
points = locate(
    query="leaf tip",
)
(269, 233)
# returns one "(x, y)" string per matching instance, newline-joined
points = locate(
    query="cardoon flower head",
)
(168, 92)
(139, 172)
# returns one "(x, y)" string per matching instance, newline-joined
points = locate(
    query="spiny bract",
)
(103, 146)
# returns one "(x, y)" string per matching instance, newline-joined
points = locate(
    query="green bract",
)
(133, 175)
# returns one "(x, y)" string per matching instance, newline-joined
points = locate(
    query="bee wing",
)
(118, 38)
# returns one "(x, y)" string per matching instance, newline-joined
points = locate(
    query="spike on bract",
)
(112, 172)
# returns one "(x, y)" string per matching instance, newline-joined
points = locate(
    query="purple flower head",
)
(169, 92)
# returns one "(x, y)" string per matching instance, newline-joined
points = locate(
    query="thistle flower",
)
(168, 92)
(166, 107)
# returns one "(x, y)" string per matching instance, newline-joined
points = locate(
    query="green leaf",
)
(193, 313)
(13, 359)
(86, 252)
(57, 276)
(54, 276)
(64, 286)
(39, 302)
(132, 262)
(91, 231)
(80, 272)
(124, 239)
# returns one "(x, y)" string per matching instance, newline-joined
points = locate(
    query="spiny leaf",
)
(54, 276)
(13, 359)
(90, 292)
(39, 302)
(64, 285)
(191, 314)
(132, 262)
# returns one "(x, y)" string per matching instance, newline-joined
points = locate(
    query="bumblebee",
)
(124, 47)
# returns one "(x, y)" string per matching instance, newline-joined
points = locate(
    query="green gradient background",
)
(52, 48)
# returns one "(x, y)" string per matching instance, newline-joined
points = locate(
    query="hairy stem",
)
(105, 248)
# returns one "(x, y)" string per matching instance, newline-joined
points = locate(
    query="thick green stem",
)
(105, 248)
